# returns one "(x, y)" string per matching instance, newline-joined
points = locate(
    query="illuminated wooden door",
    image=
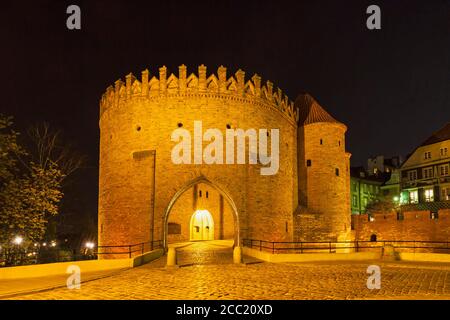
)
(202, 225)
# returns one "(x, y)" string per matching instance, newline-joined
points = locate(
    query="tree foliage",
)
(28, 201)
(30, 183)
(47, 149)
(9, 149)
(382, 205)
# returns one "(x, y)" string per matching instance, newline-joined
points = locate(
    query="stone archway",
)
(221, 190)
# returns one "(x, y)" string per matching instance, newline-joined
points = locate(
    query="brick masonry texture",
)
(416, 225)
(324, 184)
(139, 186)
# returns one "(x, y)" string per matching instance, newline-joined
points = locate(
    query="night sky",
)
(391, 87)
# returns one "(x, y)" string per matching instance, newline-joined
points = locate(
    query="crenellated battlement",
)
(198, 84)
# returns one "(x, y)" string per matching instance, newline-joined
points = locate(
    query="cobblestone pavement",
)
(206, 252)
(218, 279)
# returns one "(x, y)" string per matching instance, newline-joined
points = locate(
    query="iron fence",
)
(23, 257)
(129, 250)
(342, 246)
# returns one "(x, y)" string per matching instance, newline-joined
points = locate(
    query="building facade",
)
(423, 211)
(323, 213)
(365, 189)
(381, 164)
(144, 196)
(425, 176)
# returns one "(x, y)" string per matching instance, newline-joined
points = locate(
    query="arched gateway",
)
(142, 186)
(194, 210)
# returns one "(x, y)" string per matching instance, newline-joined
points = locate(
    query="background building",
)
(425, 176)
(423, 213)
(364, 189)
(381, 164)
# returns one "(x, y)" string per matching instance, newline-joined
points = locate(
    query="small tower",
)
(323, 175)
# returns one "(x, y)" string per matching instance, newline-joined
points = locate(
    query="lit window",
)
(428, 173)
(404, 197)
(445, 194)
(413, 196)
(429, 195)
(412, 175)
(355, 201)
(444, 170)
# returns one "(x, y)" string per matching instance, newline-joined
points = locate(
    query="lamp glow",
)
(18, 240)
(89, 245)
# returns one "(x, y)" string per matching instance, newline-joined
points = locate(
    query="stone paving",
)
(208, 273)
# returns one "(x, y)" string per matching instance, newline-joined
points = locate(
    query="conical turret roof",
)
(310, 111)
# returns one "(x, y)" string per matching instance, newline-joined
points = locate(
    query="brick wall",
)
(138, 117)
(416, 225)
(190, 201)
(324, 195)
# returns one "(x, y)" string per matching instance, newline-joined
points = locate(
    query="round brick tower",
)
(139, 183)
(323, 173)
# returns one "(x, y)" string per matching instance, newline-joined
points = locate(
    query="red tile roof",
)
(440, 135)
(310, 111)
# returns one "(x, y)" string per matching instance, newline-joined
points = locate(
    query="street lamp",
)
(18, 240)
(89, 245)
(18, 253)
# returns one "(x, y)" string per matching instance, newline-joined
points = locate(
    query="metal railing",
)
(129, 249)
(335, 246)
(22, 258)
